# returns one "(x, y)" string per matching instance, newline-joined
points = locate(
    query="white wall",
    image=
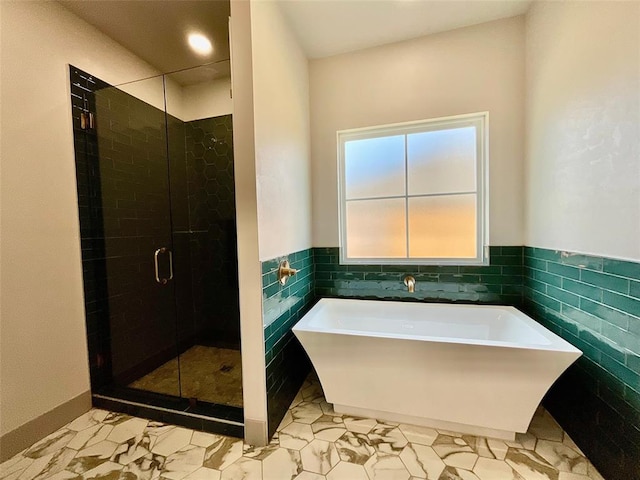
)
(43, 344)
(207, 99)
(254, 382)
(583, 127)
(473, 69)
(189, 102)
(281, 108)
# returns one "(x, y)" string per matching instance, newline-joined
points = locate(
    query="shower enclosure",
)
(154, 164)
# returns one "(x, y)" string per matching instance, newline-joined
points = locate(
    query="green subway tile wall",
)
(287, 363)
(500, 282)
(594, 303)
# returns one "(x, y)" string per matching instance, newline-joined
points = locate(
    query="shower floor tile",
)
(209, 374)
(312, 443)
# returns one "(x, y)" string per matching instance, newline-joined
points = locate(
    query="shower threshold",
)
(207, 417)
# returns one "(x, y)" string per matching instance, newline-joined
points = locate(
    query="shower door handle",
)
(163, 281)
(170, 265)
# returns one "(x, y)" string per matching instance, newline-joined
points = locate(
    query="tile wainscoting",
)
(594, 303)
(283, 305)
(500, 282)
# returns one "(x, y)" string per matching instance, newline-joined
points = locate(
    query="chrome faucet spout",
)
(410, 282)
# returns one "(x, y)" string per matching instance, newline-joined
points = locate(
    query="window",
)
(415, 193)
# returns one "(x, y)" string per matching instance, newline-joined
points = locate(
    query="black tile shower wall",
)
(497, 283)
(283, 305)
(594, 303)
(212, 230)
(183, 288)
(91, 226)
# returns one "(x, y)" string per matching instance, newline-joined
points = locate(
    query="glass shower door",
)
(200, 145)
(134, 203)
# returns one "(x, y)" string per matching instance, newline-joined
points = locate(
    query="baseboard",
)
(26, 435)
(255, 432)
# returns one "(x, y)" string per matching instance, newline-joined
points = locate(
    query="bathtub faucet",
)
(410, 282)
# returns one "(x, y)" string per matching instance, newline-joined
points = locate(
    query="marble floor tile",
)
(331, 434)
(312, 392)
(454, 473)
(328, 428)
(90, 436)
(204, 439)
(347, 471)
(92, 457)
(571, 444)
(487, 447)
(183, 462)
(92, 418)
(327, 408)
(259, 453)
(524, 440)
(455, 452)
(313, 442)
(310, 476)
(573, 476)
(223, 453)
(57, 463)
(288, 418)
(50, 444)
(492, 469)
(13, 466)
(386, 467)
(562, 457)
(115, 418)
(128, 429)
(105, 471)
(354, 448)
(530, 465)
(243, 469)
(296, 436)
(418, 434)
(387, 439)
(148, 467)
(544, 427)
(36, 467)
(422, 461)
(297, 400)
(172, 441)
(133, 449)
(359, 425)
(158, 428)
(319, 456)
(204, 473)
(65, 475)
(306, 413)
(283, 464)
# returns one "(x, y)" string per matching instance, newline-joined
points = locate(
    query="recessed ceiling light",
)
(200, 44)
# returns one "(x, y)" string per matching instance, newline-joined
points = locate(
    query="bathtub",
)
(480, 370)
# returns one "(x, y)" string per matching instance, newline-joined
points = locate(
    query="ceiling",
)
(156, 30)
(327, 28)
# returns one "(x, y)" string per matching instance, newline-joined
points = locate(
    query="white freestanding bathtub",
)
(479, 369)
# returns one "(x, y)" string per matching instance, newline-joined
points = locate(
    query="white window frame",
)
(479, 120)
